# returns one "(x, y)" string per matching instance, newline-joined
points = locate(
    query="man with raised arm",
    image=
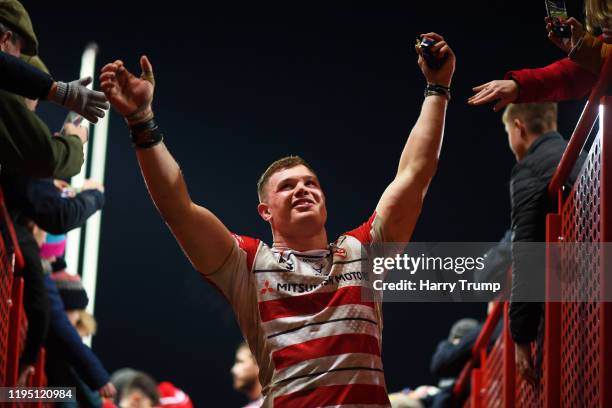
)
(298, 302)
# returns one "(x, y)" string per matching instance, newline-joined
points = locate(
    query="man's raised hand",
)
(128, 94)
(444, 74)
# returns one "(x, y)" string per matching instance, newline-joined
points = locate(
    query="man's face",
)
(294, 202)
(245, 370)
(7, 45)
(135, 399)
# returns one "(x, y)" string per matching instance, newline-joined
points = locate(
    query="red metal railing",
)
(13, 321)
(576, 368)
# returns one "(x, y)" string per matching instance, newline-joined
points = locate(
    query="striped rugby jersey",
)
(317, 342)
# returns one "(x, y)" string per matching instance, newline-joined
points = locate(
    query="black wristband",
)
(146, 134)
(440, 90)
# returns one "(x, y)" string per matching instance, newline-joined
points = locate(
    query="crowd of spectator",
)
(36, 164)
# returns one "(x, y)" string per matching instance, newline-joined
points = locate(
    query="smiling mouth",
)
(303, 203)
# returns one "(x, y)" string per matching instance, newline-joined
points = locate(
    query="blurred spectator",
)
(570, 78)
(86, 324)
(120, 378)
(70, 363)
(169, 395)
(421, 397)
(172, 397)
(140, 392)
(245, 373)
(452, 355)
(35, 301)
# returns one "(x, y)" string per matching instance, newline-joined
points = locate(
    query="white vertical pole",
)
(92, 233)
(73, 241)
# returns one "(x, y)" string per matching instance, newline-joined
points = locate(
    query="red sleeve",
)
(248, 245)
(363, 232)
(559, 81)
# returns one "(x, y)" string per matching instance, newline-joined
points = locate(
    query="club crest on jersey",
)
(341, 252)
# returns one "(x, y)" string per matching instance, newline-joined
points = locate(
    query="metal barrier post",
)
(605, 310)
(552, 316)
(509, 373)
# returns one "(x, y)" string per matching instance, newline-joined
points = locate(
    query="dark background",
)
(239, 86)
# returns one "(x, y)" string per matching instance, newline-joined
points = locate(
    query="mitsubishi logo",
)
(266, 288)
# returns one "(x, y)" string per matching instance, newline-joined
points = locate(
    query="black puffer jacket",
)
(530, 204)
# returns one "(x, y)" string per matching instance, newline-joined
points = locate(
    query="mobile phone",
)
(425, 45)
(558, 13)
(73, 118)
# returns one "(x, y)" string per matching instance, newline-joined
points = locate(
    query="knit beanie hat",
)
(71, 290)
(54, 246)
(172, 397)
(461, 328)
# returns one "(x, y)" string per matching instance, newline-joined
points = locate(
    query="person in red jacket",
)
(572, 77)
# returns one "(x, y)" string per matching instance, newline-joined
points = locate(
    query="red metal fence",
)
(576, 352)
(13, 321)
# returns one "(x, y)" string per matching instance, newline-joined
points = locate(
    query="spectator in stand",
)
(70, 363)
(538, 147)
(245, 373)
(86, 324)
(39, 200)
(420, 397)
(120, 378)
(169, 395)
(22, 77)
(26, 144)
(172, 397)
(140, 392)
(451, 356)
(570, 78)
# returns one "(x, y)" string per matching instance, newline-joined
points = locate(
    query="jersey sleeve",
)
(370, 231)
(234, 278)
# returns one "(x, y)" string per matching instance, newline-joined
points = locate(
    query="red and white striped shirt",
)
(316, 339)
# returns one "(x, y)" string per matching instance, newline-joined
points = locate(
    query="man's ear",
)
(264, 211)
(520, 125)
(4, 38)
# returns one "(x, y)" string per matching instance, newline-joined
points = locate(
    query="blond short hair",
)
(286, 162)
(538, 117)
(86, 323)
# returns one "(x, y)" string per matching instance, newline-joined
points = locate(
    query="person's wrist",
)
(140, 116)
(146, 134)
(52, 92)
(433, 89)
(445, 82)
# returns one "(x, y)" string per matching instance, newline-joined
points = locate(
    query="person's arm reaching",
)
(19, 77)
(400, 204)
(205, 240)
(56, 214)
(560, 81)
(27, 145)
